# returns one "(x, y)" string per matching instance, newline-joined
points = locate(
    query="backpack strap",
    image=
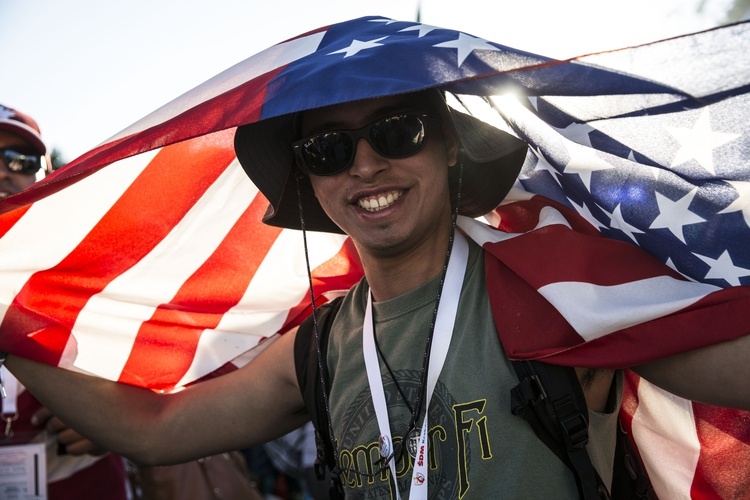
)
(550, 398)
(630, 479)
(312, 377)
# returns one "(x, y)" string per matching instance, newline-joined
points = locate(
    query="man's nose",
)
(5, 172)
(367, 162)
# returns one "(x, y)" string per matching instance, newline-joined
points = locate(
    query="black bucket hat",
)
(491, 159)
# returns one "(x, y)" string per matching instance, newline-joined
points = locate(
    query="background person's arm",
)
(73, 442)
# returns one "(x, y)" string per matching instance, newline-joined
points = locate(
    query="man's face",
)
(13, 182)
(413, 191)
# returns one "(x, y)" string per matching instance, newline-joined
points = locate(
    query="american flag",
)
(156, 270)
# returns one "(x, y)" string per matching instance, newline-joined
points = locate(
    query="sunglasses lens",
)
(21, 163)
(328, 153)
(398, 136)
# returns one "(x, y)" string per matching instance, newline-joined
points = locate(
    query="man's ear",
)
(451, 143)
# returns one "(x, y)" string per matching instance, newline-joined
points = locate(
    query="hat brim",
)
(26, 133)
(491, 159)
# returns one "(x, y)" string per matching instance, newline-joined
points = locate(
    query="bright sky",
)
(86, 69)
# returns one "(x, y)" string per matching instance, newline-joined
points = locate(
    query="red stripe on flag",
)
(240, 105)
(340, 272)
(9, 220)
(723, 465)
(627, 411)
(531, 328)
(525, 320)
(522, 216)
(119, 240)
(200, 304)
(560, 254)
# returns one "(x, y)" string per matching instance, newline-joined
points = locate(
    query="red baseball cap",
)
(22, 125)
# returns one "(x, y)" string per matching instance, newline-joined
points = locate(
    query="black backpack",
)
(548, 396)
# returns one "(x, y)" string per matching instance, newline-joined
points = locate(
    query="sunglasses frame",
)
(8, 162)
(355, 135)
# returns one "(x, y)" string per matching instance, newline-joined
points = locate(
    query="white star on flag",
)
(422, 28)
(543, 165)
(698, 143)
(618, 222)
(384, 21)
(584, 162)
(674, 215)
(465, 45)
(653, 171)
(724, 268)
(742, 203)
(5, 113)
(358, 45)
(577, 132)
(584, 211)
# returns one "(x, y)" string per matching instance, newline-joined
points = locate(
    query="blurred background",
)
(86, 69)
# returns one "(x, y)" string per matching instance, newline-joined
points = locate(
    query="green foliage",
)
(57, 159)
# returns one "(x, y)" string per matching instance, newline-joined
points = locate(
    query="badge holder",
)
(23, 460)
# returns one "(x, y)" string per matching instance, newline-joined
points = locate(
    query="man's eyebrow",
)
(369, 117)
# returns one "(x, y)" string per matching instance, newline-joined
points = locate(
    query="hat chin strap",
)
(336, 485)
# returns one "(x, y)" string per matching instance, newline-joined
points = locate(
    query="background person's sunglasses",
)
(20, 163)
(329, 153)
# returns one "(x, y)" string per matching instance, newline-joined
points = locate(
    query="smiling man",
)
(392, 173)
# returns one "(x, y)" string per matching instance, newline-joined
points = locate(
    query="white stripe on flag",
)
(481, 233)
(84, 202)
(132, 297)
(595, 311)
(664, 430)
(280, 283)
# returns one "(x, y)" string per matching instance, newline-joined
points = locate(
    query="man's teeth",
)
(379, 202)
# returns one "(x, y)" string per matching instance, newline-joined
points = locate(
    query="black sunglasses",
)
(329, 153)
(21, 163)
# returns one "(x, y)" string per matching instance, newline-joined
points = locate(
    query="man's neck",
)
(391, 276)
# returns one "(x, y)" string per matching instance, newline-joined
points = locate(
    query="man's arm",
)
(718, 375)
(258, 402)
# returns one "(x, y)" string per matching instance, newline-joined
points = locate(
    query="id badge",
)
(23, 469)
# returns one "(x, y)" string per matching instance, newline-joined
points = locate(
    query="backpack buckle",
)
(575, 431)
(529, 391)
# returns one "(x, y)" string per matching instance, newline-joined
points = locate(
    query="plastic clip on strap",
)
(3, 355)
(9, 397)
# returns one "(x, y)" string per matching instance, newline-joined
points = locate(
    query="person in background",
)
(76, 467)
(294, 455)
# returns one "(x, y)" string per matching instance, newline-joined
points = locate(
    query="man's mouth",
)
(379, 201)
(7, 188)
